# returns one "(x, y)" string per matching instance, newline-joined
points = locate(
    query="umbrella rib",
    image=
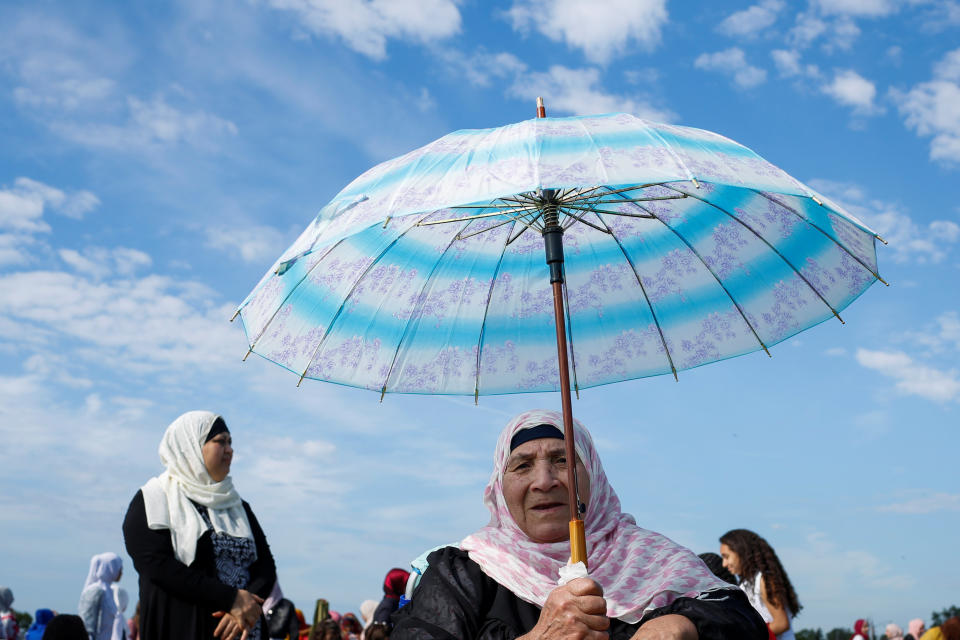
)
(573, 358)
(492, 214)
(594, 210)
(421, 301)
(486, 309)
(650, 199)
(772, 248)
(716, 277)
(460, 236)
(829, 237)
(526, 226)
(580, 217)
(643, 290)
(353, 288)
(287, 297)
(583, 195)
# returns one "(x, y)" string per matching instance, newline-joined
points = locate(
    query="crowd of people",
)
(206, 570)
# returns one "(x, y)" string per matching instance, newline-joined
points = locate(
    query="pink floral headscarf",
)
(639, 570)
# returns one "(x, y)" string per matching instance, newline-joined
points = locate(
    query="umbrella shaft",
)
(578, 546)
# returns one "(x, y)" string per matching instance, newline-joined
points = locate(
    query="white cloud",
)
(254, 243)
(15, 248)
(949, 67)
(862, 8)
(833, 572)
(941, 336)
(789, 65)
(850, 89)
(732, 62)
(923, 502)
(838, 32)
(146, 324)
(65, 79)
(941, 15)
(807, 28)
(22, 206)
(933, 108)
(579, 92)
(908, 240)
(752, 19)
(602, 29)
(148, 124)
(55, 66)
(912, 377)
(895, 54)
(482, 67)
(99, 263)
(366, 25)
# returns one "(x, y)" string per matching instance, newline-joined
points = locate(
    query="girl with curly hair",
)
(762, 578)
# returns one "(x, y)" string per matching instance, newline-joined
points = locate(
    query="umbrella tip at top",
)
(541, 110)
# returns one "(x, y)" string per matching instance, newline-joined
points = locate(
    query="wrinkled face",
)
(217, 456)
(535, 489)
(731, 561)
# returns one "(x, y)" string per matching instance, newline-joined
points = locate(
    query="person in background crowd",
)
(949, 630)
(39, 625)
(762, 578)
(122, 598)
(501, 581)
(377, 631)
(394, 584)
(915, 629)
(282, 619)
(893, 632)
(861, 630)
(304, 630)
(715, 564)
(367, 609)
(65, 627)
(133, 624)
(328, 629)
(204, 563)
(97, 607)
(8, 620)
(350, 627)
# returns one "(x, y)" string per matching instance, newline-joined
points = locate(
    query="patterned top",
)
(752, 589)
(233, 557)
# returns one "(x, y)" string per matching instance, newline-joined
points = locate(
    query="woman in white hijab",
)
(204, 563)
(97, 608)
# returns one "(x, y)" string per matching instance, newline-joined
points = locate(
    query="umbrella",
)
(668, 248)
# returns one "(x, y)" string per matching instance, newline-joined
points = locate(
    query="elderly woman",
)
(205, 567)
(501, 582)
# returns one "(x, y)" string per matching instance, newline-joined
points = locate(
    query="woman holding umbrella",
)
(501, 582)
(205, 567)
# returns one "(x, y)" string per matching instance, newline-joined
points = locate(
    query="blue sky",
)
(155, 160)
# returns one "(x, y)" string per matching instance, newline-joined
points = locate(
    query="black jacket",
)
(176, 600)
(455, 600)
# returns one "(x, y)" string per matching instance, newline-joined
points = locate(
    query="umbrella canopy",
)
(426, 274)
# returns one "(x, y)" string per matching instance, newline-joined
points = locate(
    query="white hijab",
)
(104, 572)
(167, 497)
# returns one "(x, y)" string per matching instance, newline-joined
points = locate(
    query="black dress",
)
(176, 600)
(455, 600)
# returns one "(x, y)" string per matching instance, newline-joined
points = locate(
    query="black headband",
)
(218, 427)
(535, 433)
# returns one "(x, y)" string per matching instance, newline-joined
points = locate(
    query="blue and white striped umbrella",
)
(426, 274)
